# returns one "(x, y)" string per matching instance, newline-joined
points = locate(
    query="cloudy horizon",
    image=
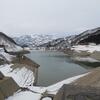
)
(48, 16)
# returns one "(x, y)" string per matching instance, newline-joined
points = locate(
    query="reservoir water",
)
(54, 67)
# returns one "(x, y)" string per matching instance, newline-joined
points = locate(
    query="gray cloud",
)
(48, 16)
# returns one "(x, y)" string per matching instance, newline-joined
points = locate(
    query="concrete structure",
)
(84, 88)
(1, 96)
(1, 76)
(75, 92)
(7, 87)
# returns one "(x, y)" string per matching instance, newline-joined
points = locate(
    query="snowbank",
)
(22, 76)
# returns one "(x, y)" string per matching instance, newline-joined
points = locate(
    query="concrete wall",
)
(8, 86)
(36, 76)
(60, 94)
(76, 92)
(1, 76)
(1, 96)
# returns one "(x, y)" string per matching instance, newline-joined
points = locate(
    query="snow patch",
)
(6, 56)
(22, 76)
(88, 48)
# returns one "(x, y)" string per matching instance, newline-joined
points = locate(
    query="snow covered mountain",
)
(59, 43)
(87, 37)
(34, 40)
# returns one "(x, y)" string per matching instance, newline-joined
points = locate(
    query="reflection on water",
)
(54, 67)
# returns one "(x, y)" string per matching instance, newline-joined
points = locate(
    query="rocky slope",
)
(8, 43)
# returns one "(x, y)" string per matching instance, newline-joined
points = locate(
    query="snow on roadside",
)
(88, 48)
(22, 76)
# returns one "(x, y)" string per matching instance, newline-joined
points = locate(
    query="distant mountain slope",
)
(8, 43)
(34, 40)
(60, 43)
(89, 36)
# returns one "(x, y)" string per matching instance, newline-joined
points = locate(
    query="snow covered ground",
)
(13, 48)
(5, 56)
(88, 48)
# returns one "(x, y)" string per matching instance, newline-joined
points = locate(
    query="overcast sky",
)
(48, 16)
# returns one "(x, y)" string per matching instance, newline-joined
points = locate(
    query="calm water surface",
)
(54, 67)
